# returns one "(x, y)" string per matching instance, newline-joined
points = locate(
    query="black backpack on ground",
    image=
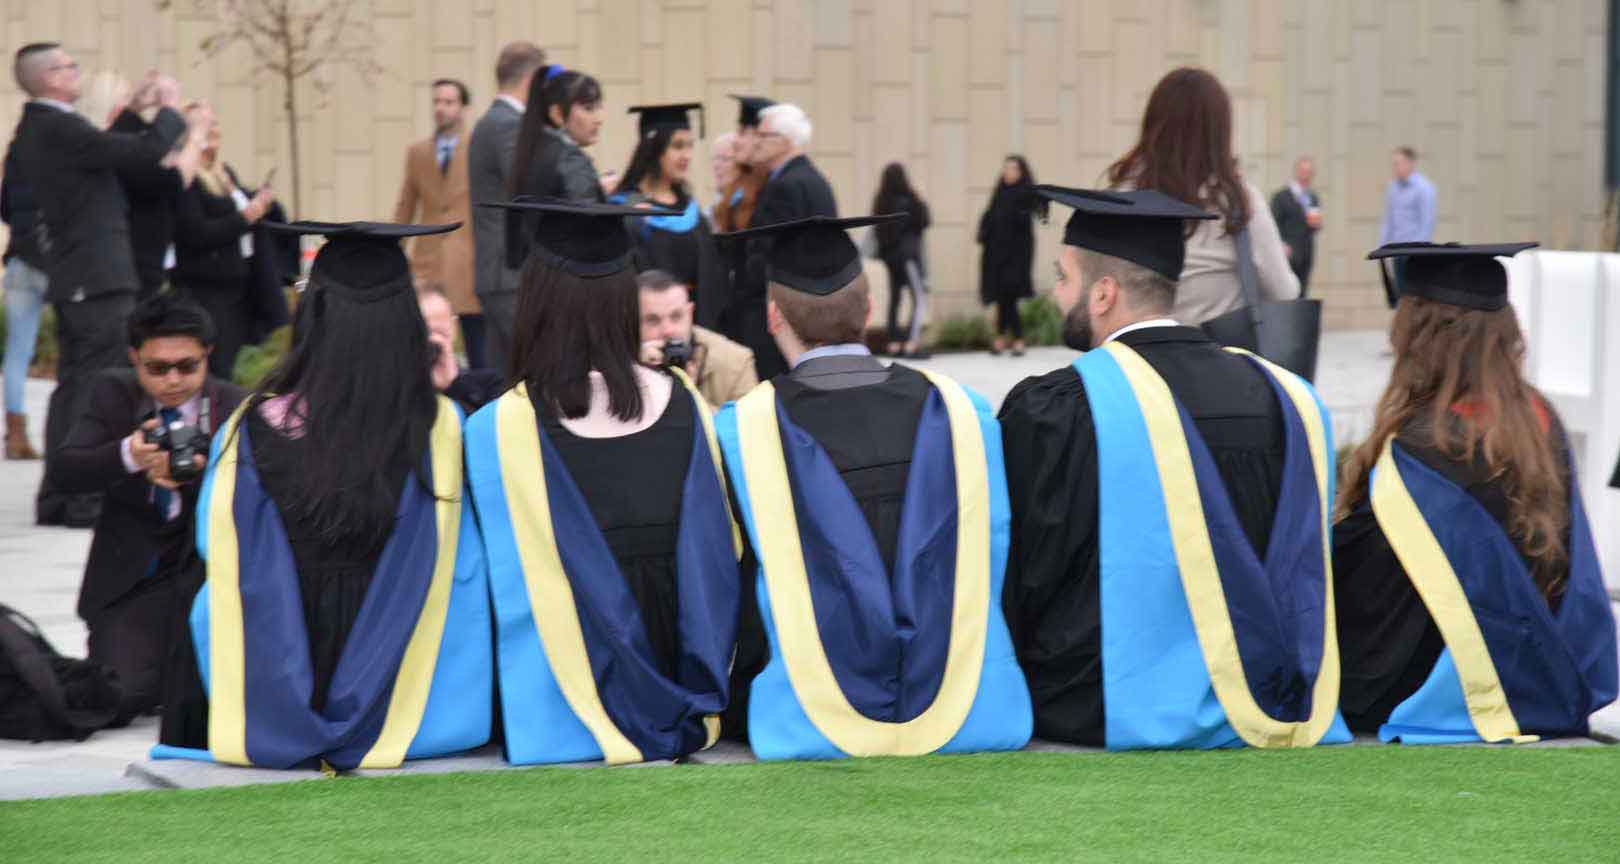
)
(45, 696)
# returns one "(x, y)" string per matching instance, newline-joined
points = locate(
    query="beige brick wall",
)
(1503, 98)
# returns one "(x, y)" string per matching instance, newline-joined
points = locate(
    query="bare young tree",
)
(291, 41)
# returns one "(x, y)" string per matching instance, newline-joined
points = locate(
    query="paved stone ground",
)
(40, 570)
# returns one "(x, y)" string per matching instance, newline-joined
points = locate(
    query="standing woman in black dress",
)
(1007, 233)
(900, 245)
(213, 250)
(613, 554)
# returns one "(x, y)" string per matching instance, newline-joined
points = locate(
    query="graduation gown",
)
(1550, 670)
(684, 247)
(304, 653)
(879, 549)
(1054, 599)
(613, 568)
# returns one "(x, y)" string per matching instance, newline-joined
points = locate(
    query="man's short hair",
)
(1145, 290)
(790, 121)
(829, 319)
(516, 60)
(169, 315)
(461, 89)
(25, 68)
(660, 280)
(1409, 153)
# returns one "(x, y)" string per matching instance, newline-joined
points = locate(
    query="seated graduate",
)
(1169, 583)
(612, 551)
(876, 504)
(1471, 605)
(345, 618)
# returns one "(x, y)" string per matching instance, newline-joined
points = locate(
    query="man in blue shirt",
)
(1409, 210)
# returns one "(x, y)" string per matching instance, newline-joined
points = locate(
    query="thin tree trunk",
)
(291, 104)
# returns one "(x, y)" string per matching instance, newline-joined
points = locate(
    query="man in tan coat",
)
(722, 369)
(435, 190)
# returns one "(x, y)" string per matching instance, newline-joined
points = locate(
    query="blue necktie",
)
(162, 497)
(444, 157)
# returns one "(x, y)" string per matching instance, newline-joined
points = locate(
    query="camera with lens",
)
(677, 352)
(186, 445)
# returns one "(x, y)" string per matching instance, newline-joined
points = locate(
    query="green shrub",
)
(962, 334)
(256, 361)
(1043, 321)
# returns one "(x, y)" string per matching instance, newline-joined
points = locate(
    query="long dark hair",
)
(565, 326)
(1026, 177)
(1185, 149)
(894, 190)
(1457, 385)
(645, 162)
(358, 382)
(534, 160)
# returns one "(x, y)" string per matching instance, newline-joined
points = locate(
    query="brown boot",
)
(17, 437)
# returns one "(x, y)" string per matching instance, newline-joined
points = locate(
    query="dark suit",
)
(796, 192)
(209, 268)
(1051, 596)
(128, 594)
(489, 167)
(74, 169)
(1296, 232)
(151, 190)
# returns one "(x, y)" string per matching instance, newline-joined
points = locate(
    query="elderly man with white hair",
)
(795, 190)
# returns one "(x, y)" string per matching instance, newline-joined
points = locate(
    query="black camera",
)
(677, 352)
(184, 444)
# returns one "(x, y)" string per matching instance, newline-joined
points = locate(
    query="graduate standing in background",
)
(875, 502)
(680, 245)
(1168, 585)
(613, 554)
(735, 209)
(1471, 604)
(345, 617)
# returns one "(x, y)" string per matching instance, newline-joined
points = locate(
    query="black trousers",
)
(132, 636)
(90, 337)
(498, 311)
(1007, 320)
(226, 302)
(472, 339)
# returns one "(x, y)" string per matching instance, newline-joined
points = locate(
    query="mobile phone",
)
(270, 176)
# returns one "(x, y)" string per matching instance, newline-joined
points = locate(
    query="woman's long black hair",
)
(1026, 177)
(894, 190)
(645, 162)
(534, 160)
(565, 326)
(359, 384)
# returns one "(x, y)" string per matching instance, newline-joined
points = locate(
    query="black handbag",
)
(1286, 332)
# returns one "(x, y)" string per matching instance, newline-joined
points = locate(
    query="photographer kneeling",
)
(723, 370)
(142, 439)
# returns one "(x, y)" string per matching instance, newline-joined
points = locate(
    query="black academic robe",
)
(1051, 598)
(1388, 642)
(866, 419)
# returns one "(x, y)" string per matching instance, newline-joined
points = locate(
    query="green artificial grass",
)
(1330, 804)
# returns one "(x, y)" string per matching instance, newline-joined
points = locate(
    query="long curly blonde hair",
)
(1457, 386)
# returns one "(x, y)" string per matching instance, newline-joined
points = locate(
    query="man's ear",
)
(1104, 295)
(134, 358)
(773, 318)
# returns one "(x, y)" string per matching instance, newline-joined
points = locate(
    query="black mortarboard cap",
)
(748, 108)
(584, 238)
(671, 116)
(361, 260)
(813, 255)
(1140, 226)
(1460, 275)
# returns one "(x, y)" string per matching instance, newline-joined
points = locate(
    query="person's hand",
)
(1288, 250)
(1313, 218)
(145, 454)
(259, 204)
(609, 181)
(445, 368)
(168, 92)
(158, 474)
(145, 93)
(652, 353)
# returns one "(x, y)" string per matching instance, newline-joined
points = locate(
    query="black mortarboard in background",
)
(748, 108)
(1467, 276)
(651, 118)
(814, 255)
(580, 237)
(362, 261)
(1140, 226)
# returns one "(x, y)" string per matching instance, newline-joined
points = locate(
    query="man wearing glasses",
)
(73, 168)
(142, 440)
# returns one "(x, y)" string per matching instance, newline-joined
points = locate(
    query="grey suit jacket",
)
(489, 164)
(840, 372)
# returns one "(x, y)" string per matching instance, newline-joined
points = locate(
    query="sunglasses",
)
(158, 368)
